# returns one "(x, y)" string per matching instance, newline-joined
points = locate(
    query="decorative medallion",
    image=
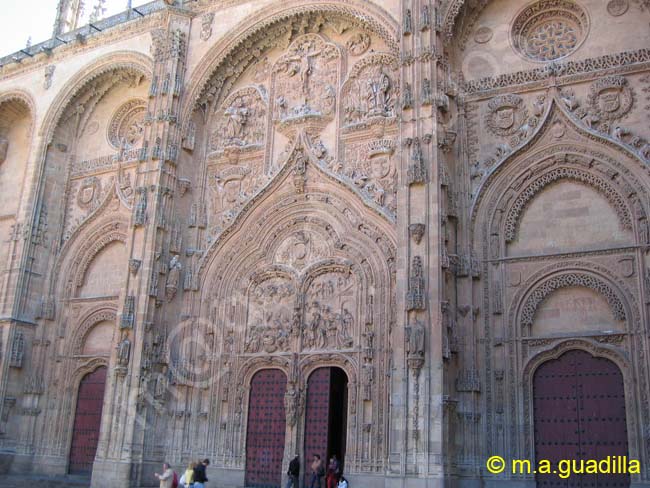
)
(126, 128)
(549, 30)
(616, 8)
(483, 34)
(611, 98)
(506, 114)
(358, 43)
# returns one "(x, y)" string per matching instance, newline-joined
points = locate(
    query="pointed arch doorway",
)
(87, 422)
(325, 416)
(579, 408)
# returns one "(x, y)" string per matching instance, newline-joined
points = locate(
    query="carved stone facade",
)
(435, 198)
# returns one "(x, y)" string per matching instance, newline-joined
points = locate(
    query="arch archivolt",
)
(88, 322)
(546, 280)
(79, 251)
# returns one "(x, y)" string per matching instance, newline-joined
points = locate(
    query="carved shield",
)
(504, 118)
(610, 100)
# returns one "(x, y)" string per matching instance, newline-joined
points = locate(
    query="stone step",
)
(40, 481)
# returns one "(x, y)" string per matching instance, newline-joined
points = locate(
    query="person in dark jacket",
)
(293, 472)
(200, 477)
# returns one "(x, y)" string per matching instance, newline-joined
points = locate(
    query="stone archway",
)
(87, 422)
(579, 413)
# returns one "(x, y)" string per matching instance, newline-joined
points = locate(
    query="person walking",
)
(333, 472)
(293, 472)
(167, 477)
(200, 476)
(317, 472)
(188, 477)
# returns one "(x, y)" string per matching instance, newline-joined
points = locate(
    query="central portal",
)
(326, 416)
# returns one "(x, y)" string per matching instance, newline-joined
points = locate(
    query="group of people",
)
(194, 476)
(333, 474)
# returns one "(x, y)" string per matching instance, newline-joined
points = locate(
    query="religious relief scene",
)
(326, 244)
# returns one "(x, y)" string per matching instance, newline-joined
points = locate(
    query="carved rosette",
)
(549, 29)
(304, 85)
(126, 128)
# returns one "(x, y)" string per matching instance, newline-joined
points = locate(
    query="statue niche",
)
(371, 92)
(330, 307)
(270, 312)
(304, 82)
(240, 123)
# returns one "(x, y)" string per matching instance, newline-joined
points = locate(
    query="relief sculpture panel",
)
(270, 309)
(330, 306)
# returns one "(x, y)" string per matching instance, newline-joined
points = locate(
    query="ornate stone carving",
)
(570, 279)
(17, 351)
(173, 278)
(304, 83)
(483, 35)
(128, 313)
(415, 298)
(329, 305)
(549, 29)
(417, 170)
(358, 43)
(206, 26)
(610, 98)
(616, 8)
(506, 114)
(48, 76)
(415, 344)
(371, 91)
(416, 231)
(468, 380)
(123, 352)
(370, 166)
(140, 209)
(89, 193)
(126, 128)
(241, 122)
(301, 249)
(270, 307)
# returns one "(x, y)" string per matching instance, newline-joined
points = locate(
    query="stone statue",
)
(415, 339)
(237, 118)
(173, 278)
(379, 95)
(123, 352)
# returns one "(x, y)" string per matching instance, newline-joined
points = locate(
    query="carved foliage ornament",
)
(506, 114)
(569, 280)
(549, 29)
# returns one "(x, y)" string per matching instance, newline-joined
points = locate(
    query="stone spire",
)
(68, 13)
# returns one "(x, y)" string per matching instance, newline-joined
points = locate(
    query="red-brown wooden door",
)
(579, 408)
(265, 433)
(87, 420)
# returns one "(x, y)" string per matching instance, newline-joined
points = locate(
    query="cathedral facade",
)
(413, 234)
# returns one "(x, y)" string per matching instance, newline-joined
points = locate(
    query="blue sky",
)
(21, 19)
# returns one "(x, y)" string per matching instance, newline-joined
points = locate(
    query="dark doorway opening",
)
(326, 416)
(87, 422)
(579, 408)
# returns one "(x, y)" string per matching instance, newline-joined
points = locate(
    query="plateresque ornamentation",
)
(549, 30)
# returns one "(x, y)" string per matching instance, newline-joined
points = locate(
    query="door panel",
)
(266, 429)
(579, 408)
(87, 421)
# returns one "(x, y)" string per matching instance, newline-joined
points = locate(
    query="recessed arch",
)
(129, 61)
(88, 322)
(365, 13)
